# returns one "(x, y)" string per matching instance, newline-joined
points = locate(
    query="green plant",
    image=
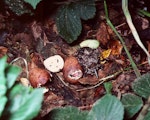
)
(108, 108)
(111, 108)
(69, 26)
(121, 40)
(17, 102)
(68, 18)
(132, 27)
(18, 7)
(134, 103)
(144, 13)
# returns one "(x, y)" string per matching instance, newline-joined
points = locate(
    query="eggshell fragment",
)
(54, 63)
(72, 70)
(38, 77)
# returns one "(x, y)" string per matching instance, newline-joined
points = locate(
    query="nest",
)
(89, 60)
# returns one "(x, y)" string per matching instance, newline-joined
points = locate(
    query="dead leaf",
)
(36, 30)
(104, 55)
(3, 51)
(102, 34)
(36, 60)
(89, 80)
(50, 102)
(23, 40)
(115, 46)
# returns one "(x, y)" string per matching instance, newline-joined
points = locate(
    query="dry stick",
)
(102, 80)
(25, 62)
(144, 110)
(122, 41)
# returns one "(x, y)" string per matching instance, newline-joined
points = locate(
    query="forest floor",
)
(35, 40)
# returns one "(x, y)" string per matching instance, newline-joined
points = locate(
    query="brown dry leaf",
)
(21, 44)
(87, 99)
(3, 51)
(115, 46)
(102, 34)
(110, 68)
(123, 83)
(36, 61)
(89, 80)
(50, 102)
(99, 91)
(23, 40)
(36, 30)
(38, 33)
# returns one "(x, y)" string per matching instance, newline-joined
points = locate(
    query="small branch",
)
(102, 80)
(25, 63)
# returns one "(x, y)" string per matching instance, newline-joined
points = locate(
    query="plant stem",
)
(132, 27)
(122, 41)
(144, 110)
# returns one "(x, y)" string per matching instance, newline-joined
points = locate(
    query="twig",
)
(120, 25)
(25, 62)
(102, 80)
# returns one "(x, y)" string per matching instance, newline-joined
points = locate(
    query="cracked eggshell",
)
(54, 63)
(38, 77)
(72, 70)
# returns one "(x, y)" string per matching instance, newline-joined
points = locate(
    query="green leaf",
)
(12, 73)
(141, 86)
(3, 101)
(147, 116)
(132, 104)
(68, 23)
(3, 87)
(16, 98)
(67, 113)
(108, 87)
(2, 76)
(144, 12)
(85, 9)
(2, 64)
(107, 108)
(33, 3)
(68, 18)
(18, 7)
(23, 104)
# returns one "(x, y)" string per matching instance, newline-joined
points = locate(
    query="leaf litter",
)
(38, 40)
